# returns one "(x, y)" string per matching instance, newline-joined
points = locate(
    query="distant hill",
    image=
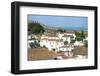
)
(63, 28)
(52, 28)
(66, 28)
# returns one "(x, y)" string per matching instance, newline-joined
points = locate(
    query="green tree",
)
(66, 42)
(86, 43)
(79, 35)
(35, 28)
(72, 41)
(36, 44)
(44, 46)
(82, 35)
(32, 45)
(61, 30)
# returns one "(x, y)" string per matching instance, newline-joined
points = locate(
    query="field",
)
(45, 54)
(40, 54)
(81, 50)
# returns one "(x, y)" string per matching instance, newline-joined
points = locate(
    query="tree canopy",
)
(61, 30)
(66, 42)
(80, 35)
(86, 43)
(35, 28)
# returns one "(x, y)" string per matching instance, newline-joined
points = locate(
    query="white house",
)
(71, 33)
(28, 43)
(67, 38)
(31, 41)
(86, 39)
(44, 36)
(51, 44)
(43, 42)
(78, 43)
(60, 35)
(56, 42)
(29, 37)
(66, 48)
(32, 36)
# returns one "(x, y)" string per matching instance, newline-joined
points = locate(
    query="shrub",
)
(32, 45)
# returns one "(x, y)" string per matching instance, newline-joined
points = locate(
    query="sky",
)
(66, 22)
